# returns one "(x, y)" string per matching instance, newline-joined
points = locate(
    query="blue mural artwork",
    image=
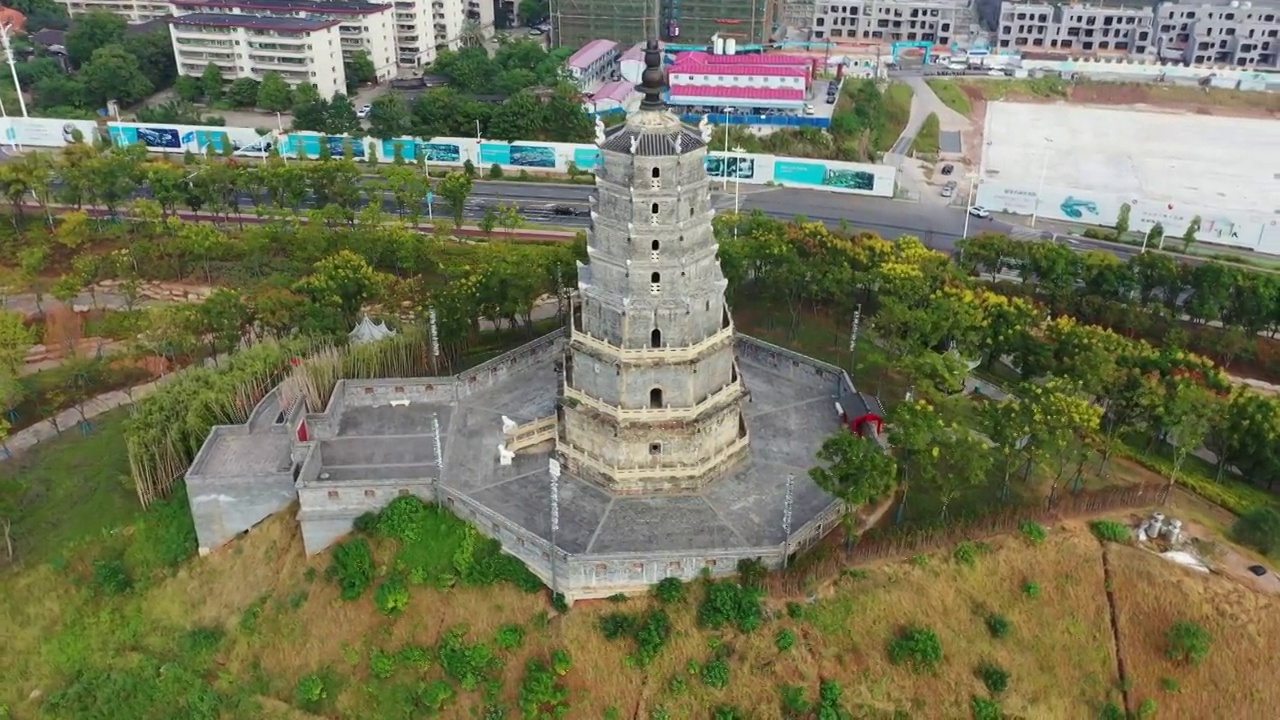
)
(491, 153)
(799, 172)
(408, 149)
(338, 143)
(1076, 208)
(156, 138)
(536, 156)
(820, 175)
(741, 168)
(586, 158)
(441, 152)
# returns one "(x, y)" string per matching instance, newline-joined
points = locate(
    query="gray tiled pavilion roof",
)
(653, 143)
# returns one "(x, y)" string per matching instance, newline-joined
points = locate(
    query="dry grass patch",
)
(1237, 677)
(1060, 651)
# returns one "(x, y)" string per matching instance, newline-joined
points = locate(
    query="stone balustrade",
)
(658, 354)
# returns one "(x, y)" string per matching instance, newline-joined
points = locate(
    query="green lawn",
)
(897, 112)
(929, 137)
(951, 95)
(76, 487)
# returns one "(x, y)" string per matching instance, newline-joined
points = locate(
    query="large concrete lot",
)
(1200, 160)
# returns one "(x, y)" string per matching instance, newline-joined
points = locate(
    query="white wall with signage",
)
(1256, 231)
(47, 132)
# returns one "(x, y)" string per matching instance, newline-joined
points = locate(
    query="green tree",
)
(1061, 418)
(154, 51)
(1189, 235)
(243, 92)
(340, 116)
(1007, 424)
(857, 472)
(15, 342)
(211, 82)
(489, 221)
(222, 320)
(93, 31)
(359, 70)
(1188, 642)
(455, 188)
(1188, 411)
(1155, 236)
(187, 88)
(911, 434)
(509, 217)
(274, 94)
(113, 74)
(343, 280)
(1122, 219)
(390, 117)
(532, 12)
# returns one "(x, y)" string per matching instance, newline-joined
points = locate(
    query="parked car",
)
(831, 99)
(568, 210)
(808, 109)
(948, 191)
(535, 32)
(979, 212)
(364, 111)
(948, 169)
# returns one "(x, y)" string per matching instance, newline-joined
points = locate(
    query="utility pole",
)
(786, 521)
(435, 436)
(435, 341)
(13, 67)
(553, 466)
(853, 336)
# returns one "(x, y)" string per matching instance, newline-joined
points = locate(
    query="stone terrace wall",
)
(376, 393)
(786, 362)
(512, 362)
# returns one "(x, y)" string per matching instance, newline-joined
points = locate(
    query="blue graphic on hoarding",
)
(490, 154)
(338, 146)
(538, 156)
(123, 135)
(158, 138)
(741, 168)
(1075, 208)
(306, 146)
(441, 152)
(815, 174)
(798, 172)
(188, 137)
(407, 149)
(586, 158)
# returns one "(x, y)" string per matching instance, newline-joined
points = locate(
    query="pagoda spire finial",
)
(653, 82)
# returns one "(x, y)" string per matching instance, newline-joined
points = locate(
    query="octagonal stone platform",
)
(376, 440)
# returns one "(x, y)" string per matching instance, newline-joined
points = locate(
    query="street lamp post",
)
(13, 68)
(1044, 171)
(968, 210)
(724, 166)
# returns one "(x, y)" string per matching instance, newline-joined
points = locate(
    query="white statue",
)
(504, 455)
(599, 130)
(704, 127)
(635, 142)
(508, 425)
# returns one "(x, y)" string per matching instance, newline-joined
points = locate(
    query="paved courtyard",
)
(788, 417)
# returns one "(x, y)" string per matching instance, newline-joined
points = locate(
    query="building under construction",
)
(577, 22)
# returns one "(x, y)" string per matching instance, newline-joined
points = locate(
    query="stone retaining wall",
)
(512, 362)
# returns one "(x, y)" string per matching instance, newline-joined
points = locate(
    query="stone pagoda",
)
(652, 398)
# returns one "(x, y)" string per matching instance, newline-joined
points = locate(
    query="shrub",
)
(916, 647)
(112, 577)
(1146, 709)
(509, 637)
(416, 657)
(669, 591)
(728, 712)
(920, 560)
(469, 664)
(1188, 642)
(1110, 531)
(392, 596)
(716, 674)
(382, 664)
(999, 626)
(751, 573)
(495, 172)
(352, 568)
(618, 598)
(1259, 529)
(795, 611)
(660, 712)
(984, 709)
(561, 662)
(785, 640)
(651, 636)
(198, 642)
(403, 519)
(1031, 589)
(795, 706)
(436, 696)
(829, 695)
(612, 713)
(1033, 531)
(310, 692)
(1169, 685)
(968, 552)
(730, 603)
(994, 677)
(615, 625)
(1111, 711)
(251, 615)
(541, 694)
(366, 523)
(559, 603)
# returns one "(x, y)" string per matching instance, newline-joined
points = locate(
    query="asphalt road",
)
(939, 227)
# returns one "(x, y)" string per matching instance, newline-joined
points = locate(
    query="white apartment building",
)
(1225, 32)
(425, 27)
(134, 12)
(922, 21)
(300, 49)
(362, 25)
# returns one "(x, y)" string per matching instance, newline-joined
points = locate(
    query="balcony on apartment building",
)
(278, 61)
(349, 30)
(184, 42)
(352, 42)
(406, 17)
(213, 57)
(406, 32)
(297, 50)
